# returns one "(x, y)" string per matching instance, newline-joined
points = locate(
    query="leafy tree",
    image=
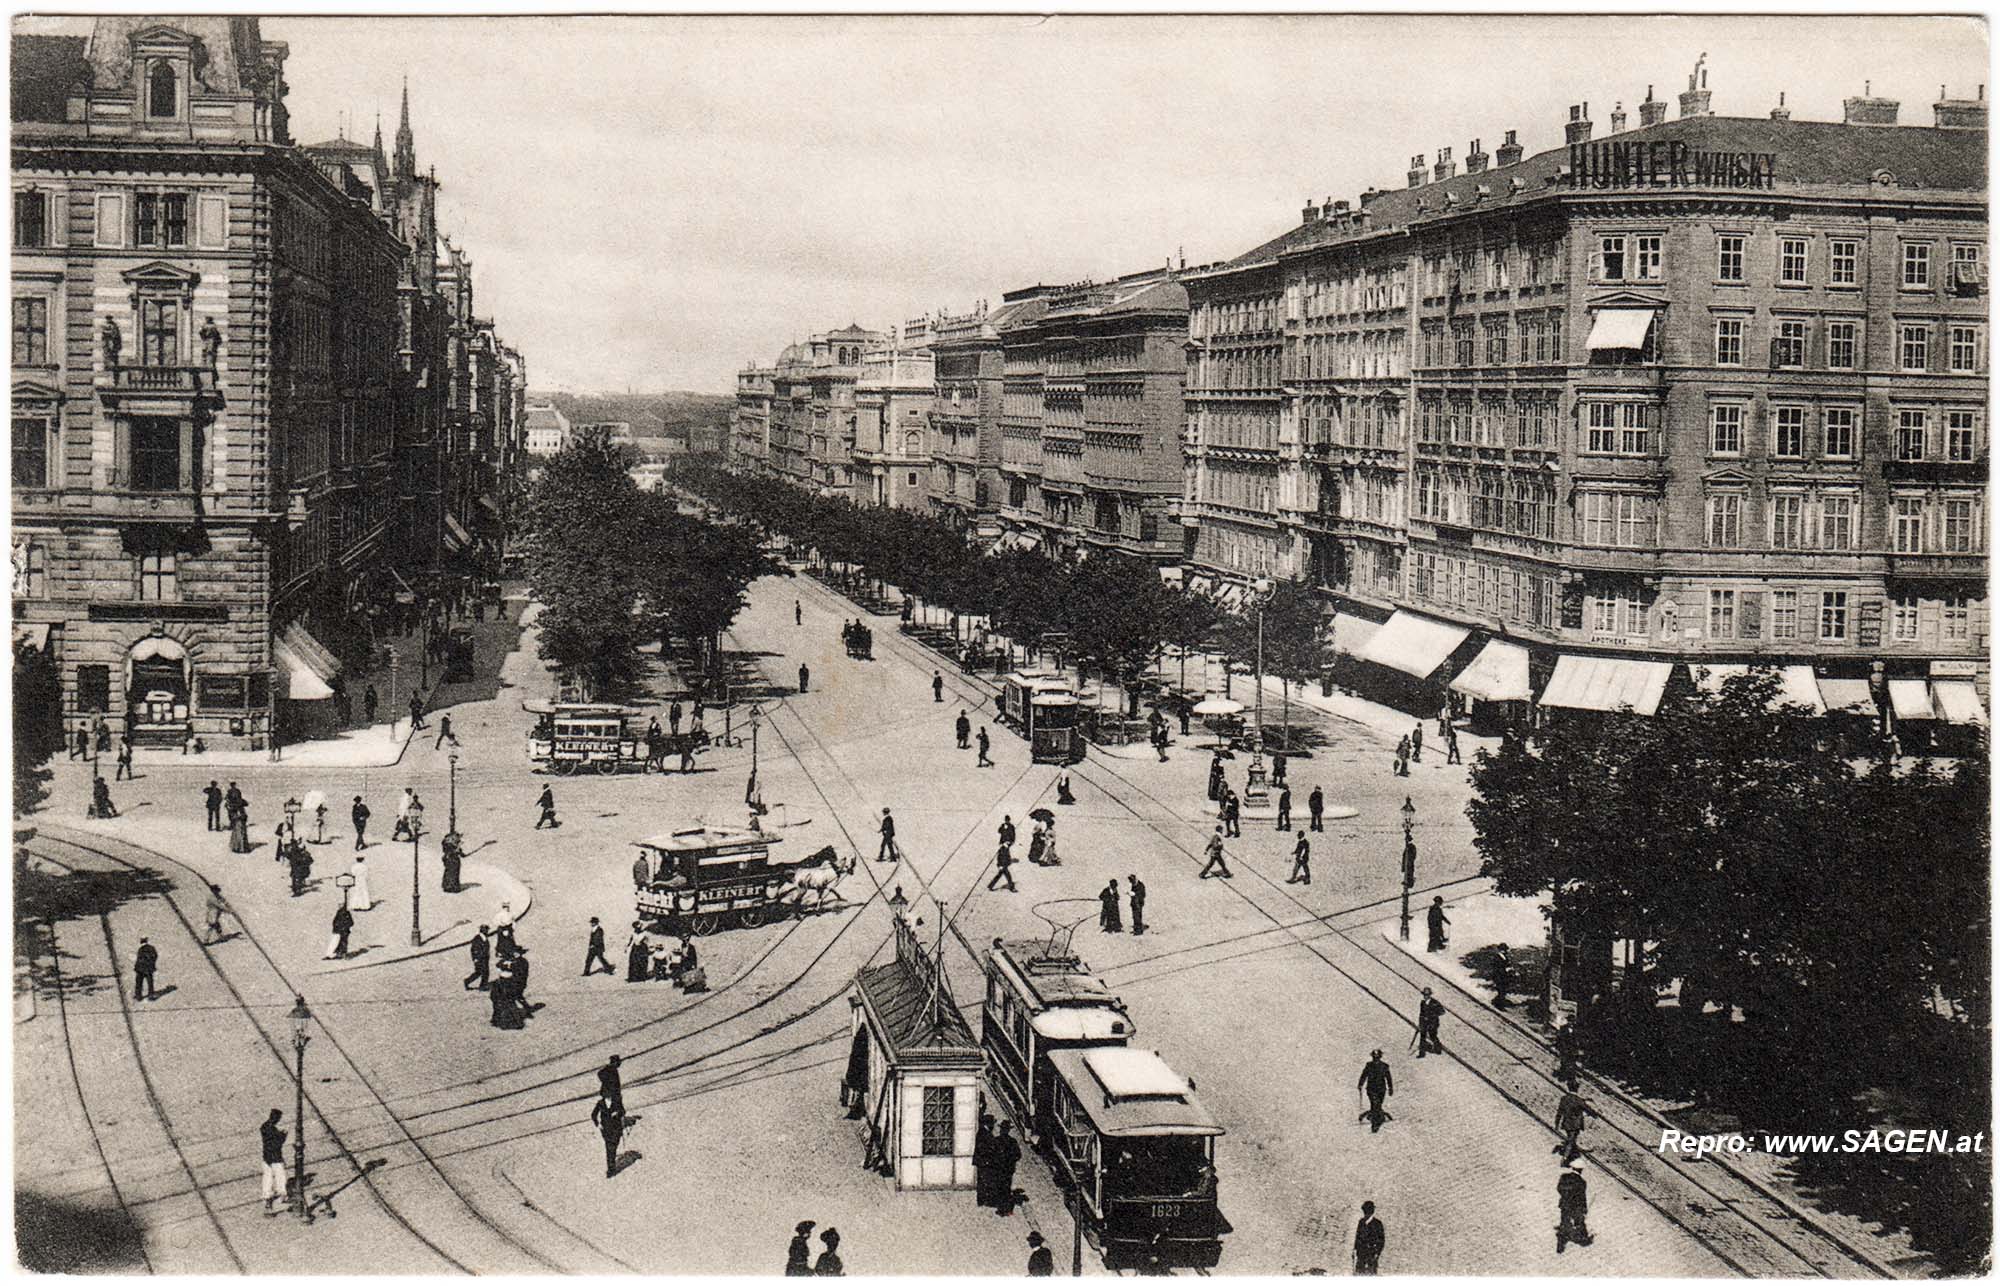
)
(38, 727)
(1117, 614)
(583, 514)
(1190, 621)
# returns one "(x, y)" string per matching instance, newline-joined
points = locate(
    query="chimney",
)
(1618, 118)
(1445, 167)
(1653, 110)
(1781, 112)
(1869, 110)
(1310, 214)
(1578, 129)
(1338, 209)
(1417, 171)
(1369, 195)
(1694, 99)
(1509, 152)
(1960, 113)
(1475, 159)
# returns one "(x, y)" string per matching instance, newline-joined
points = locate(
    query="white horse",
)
(817, 878)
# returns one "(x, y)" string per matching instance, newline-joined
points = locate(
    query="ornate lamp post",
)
(1409, 865)
(1256, 786)
(416, 891)
(300, 1017)
(451, 823)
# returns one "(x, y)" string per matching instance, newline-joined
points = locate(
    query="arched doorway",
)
(156, 690)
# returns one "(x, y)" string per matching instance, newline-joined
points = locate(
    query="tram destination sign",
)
(1668, 163)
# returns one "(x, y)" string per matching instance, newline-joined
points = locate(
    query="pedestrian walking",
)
(888, 852)
(963, 726)
(1278, 766)
(828, 1264)
(985, 746)
(798, 1256)
(804, 675)
(687, 753)
(1108, 918)
(1378, 1083)
(1285, 808)
(982, 1163)
(611, 1082)
(1003, 862)
(358, 896)
(1436, 920)
(1369, 1239)
(1138, 898)
(1040, 1262)
(124, 769)
(212, 931)
(1444, 717)
(546, 801)
(1232, 814)
(1417, 743)
(1302, 871)
(416, 711)
(444, 732)
(145, 963)
(481, 947)
(638, 953)
(1572, 1208)
(1430, 1012)
(593, 954)
(300, 863)
(1568, 1066)
(674, 718)
(402, 827)
(1216, 783)
(937, 686)
(319, 822)
(1403, 755)
(100, 733)
(360, 815)
(212, 795)
(237, 809)
(1502, 969)
(1570, 1115)
(271, 1147)
(798, 618)
(343, 925)
(1451, 744)
(1316, 809)
(1063, 793)
(79, 748)
(1215, 861)
(1006, 1155)
(1007, 832)
(609, 1118)
(100, 799)
(368, 703)
(1160, 741)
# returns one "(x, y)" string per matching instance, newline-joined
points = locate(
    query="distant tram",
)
(572, 737)
(1044, 709)
(1119, 1126)
(706, 879)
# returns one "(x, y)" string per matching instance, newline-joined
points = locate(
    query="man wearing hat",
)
(1369, 1238)
(611, 1082)
(798, 1257)
(482, 958)
(609, 1118)
(1377, 1082)
(1040, 1262)
(1430, 1012)
(1572, 1205)
(828, 1264)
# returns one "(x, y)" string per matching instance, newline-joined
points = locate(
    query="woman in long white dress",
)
(357, 897)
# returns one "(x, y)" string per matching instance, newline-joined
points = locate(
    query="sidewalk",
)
(376, 746)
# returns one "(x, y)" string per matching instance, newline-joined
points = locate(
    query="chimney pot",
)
(1578, 129)
(1509, 152)
(1869, 110)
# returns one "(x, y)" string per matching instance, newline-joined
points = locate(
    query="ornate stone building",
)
(893, 398)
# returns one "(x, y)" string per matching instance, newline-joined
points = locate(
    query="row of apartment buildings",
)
(253, 401)
(1709, 391)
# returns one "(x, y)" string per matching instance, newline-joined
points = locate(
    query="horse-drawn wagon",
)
(705, 879)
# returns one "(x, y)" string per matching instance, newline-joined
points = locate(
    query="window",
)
(156, 578)
(1839, 433)
(1792, 261)
(1617, 616)
(161, 98)
(1788, 346)
(1496, 345)
(1611, 258)
(1903, 620)
(31, 219)
(1602, 434)
(1784, 613)
(1915, 349)
(1725, 521)
(1916, 266)
(1729, 258)
(93, 689)
(1964, 349)
(1617, 519)
(1840, 345)
(1833, 614)
(1722, 613)
(1910, 429)
(1646, 258)
(159, 332)
(1729, 341)
(31, 332)
(1837, 527)
(1840, 261)
(939, 1124)
(1907, 518)
(1725, 429)
(31, 451)
(161, 219)
(1788, 520)
(1961, 436)
(1788, 432)
(156, 454)
(1956, 619)
(1959, 512)
(35, 571)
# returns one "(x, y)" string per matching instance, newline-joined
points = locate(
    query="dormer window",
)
(162, 92)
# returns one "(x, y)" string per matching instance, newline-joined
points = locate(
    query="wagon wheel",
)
(565, 767)
(606, 765)
(704, 925)
(754, 917)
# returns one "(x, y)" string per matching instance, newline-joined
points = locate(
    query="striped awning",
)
(1416, 645)
(1607, 683)
(1498, 673)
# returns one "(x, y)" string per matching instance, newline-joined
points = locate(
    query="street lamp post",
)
(451, 823)
(416, 890)
(292, 807)
(1409, 865)
(1256, 789)
(300, 1017)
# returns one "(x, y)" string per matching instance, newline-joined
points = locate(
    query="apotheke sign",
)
(1668, 163)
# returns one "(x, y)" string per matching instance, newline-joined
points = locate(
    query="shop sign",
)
(1668, 163)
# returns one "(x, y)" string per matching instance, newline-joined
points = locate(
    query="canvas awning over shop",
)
(1414, 644)
(1231, 593)
(33, 637)
(1847, 696)
(455, 535)
(1498, 673)
(1607, 683)
(1351, 633)
(309, 668)
(1911, 699)
(1797, 685)
(1958, 701)
(1620, 328)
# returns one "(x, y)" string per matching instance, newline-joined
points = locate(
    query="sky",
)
(655, 202)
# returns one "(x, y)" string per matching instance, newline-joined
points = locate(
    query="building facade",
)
(545, 429)
(893, 399)
(1707, 391)
(965, 418)
(750, 429)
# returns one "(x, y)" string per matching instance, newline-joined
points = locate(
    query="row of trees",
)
(615, 567)
(1117, 613)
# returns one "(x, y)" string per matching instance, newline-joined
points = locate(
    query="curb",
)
(1802, 1217)
(442, 948)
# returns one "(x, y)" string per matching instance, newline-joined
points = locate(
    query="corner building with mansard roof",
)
(1698, 394)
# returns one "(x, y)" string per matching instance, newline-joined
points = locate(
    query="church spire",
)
(406, 145)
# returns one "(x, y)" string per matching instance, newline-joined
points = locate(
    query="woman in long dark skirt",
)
(638, 954)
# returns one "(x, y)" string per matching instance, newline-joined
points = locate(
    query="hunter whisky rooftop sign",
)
(1667, 163)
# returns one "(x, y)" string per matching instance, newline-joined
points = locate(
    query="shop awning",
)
(1618, 328)
(1498, 673)
(311, 651)
(1607, 683)
(1847, 696)
(301, 683)
(34, 637)
(455, 535)
(1796, 684)
(1958, 701)
(1351, 633)
(1911, 699)
(1414, 644)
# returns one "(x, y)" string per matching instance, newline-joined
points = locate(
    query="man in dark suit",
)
(144, 964)
(609, 1118)
(213, 794)
(1369, 1238)
(360, 816)
(482, 956)
(594, 955)
(611, 1082)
